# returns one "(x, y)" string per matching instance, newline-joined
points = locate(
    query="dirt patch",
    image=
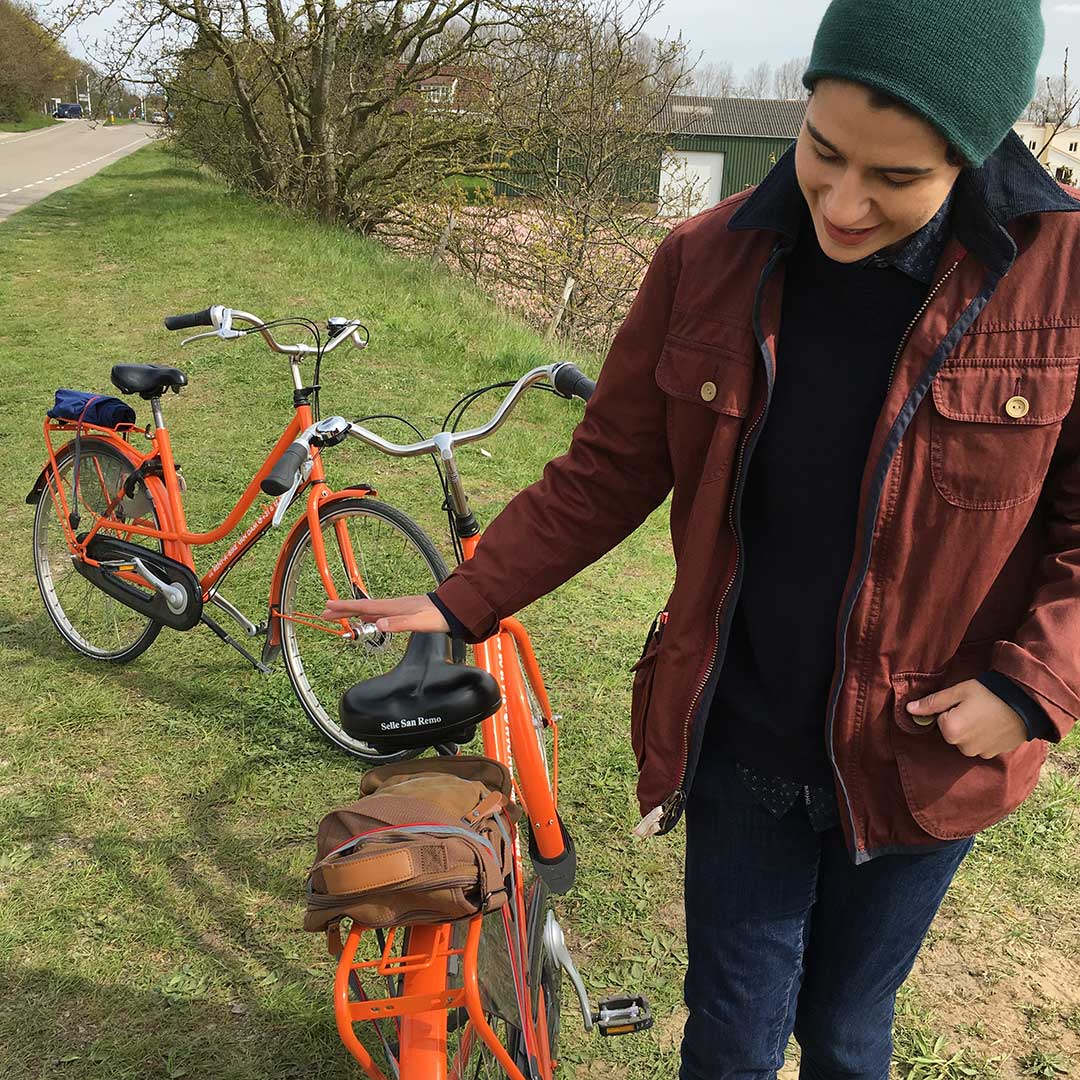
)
(994, 1009)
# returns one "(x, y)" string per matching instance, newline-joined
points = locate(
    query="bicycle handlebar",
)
(222, 318)
(569, 381)
(566, 378)
(444, 442)
(283, 474)
(184, 322)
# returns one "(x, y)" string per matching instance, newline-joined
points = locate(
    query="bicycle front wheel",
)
(372, 550)
(90, 621)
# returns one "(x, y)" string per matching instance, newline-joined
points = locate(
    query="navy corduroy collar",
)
(1010, 184)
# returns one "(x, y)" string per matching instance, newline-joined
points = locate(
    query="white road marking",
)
(33, 135)
(92, 161)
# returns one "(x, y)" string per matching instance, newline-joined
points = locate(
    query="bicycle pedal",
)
(623, 1015)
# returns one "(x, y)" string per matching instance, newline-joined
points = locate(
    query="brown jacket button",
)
(1017, 407)
(708, 391)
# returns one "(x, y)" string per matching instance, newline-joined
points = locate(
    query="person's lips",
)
(848, 237)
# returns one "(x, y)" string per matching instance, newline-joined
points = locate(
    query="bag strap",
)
(364, 873)
(487, 806)
(73, 515)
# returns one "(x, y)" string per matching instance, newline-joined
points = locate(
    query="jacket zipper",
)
(652, 822)
(915, 322)
(971, 312)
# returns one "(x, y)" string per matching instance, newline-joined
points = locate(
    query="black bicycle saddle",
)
(424, 701)
(147, 380)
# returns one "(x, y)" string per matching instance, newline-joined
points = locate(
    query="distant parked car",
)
(68, 112)
(157, 118)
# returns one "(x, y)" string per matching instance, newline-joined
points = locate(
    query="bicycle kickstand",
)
(225, 636)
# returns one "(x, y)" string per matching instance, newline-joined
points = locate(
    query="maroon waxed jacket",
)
(967, 550)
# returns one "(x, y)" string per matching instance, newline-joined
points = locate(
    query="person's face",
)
(870, 176)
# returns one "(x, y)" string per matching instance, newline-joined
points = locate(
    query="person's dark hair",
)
(879, 99)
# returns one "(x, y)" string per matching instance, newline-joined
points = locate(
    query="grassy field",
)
(156, 819)
(30, 122)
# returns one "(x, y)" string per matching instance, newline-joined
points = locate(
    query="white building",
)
(1059, 154)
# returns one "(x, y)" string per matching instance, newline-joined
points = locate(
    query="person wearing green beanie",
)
(859, 381)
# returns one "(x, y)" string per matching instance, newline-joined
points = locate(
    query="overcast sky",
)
(745, 32)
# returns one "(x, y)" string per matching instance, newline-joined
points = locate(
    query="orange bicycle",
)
(478, 998)
(114, 557)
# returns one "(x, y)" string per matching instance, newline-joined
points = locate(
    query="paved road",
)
(36, 163)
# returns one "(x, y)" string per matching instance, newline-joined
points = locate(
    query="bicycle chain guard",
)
(119, 555)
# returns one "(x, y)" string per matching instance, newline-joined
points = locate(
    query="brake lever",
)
(226, 333)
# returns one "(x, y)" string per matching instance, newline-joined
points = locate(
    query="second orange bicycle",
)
(115, 559)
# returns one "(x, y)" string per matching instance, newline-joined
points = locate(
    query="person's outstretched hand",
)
(406, 613)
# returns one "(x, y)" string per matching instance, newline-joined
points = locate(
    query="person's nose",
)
(847, 204)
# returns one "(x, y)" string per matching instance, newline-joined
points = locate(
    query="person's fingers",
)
(941, 700)
(393, 606)
(955, 729)
(397, 614)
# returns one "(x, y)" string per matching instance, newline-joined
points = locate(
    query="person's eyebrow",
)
(904, 170)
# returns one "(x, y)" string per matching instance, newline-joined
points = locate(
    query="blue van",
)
(68, 112)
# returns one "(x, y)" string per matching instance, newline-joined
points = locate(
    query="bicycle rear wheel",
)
(93, 623)
(394, 557)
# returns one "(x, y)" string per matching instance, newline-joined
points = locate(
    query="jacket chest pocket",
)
(708, 390)
(994, 427)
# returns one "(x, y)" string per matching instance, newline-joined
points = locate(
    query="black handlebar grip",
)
(185, 322)
(571, 382)
(284, 472)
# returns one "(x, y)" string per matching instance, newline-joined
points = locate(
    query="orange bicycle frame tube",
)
(178, 541)
(178, 533)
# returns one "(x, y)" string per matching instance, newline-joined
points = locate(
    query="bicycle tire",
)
(313, 655)
(545, 979)
(90, 611)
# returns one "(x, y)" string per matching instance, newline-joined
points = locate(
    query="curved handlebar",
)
(444, 442)
(185, 322)
(222, 319)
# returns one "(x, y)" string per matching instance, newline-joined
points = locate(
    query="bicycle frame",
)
(178, 541)
(509, 736)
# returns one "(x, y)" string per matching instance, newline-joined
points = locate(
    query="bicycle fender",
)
(272, 647)
(34, 495)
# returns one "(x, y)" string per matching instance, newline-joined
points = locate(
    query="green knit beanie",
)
(967, 66)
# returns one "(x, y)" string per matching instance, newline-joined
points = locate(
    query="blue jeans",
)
(785, 933)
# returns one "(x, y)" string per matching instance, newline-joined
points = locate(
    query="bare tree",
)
(713, 80)
(578, 136)
(1054, 105)
(757, 81)
(318, 104)
(787, 79)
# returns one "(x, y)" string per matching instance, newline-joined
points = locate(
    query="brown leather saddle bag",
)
(427, 841)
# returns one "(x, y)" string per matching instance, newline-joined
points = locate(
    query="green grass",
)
(30, 122)
(156, 820)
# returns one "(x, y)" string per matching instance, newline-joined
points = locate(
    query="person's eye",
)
(899, 183)
(829, 159)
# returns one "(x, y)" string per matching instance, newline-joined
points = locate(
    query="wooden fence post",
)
(444, 239)
(568, 289)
